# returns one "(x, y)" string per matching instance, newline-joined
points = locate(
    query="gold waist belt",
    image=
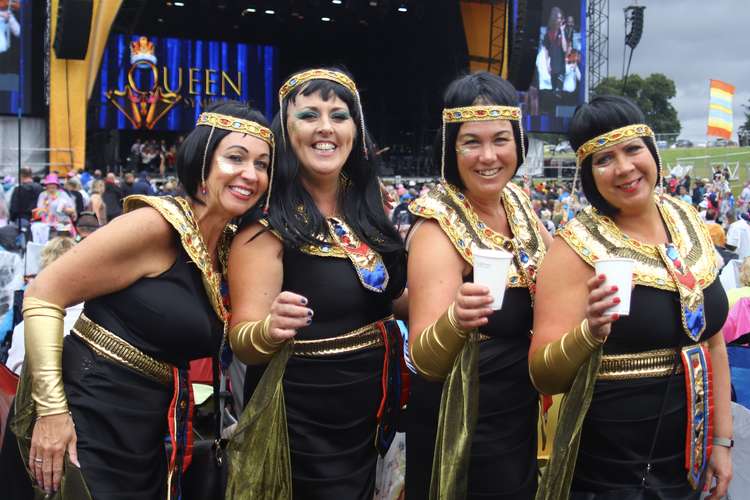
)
(656, 363)
(366, 337)
(112, 347)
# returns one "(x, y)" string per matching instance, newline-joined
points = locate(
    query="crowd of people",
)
(283, 259)
(52, 204)
(554, 202)
(153, 156)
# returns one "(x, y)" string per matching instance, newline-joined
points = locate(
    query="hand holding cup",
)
(473, 304)
(609, 294)
(491, 270)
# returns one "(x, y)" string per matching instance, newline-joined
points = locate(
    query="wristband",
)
(725, 442)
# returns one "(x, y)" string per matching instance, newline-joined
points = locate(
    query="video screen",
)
(154, 83)
(559, 81)
(15, 56)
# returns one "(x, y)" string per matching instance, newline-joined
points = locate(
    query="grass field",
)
(703, 159)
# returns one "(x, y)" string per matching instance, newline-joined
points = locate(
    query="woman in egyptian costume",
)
(646, 411)
(472, 410)
(93, 410)
(314, 320)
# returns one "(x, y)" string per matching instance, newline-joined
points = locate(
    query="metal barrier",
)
(38, 159)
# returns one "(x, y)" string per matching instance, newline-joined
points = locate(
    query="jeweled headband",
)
(480, 114)
(321, 74)
(611, 138)
(234, 124)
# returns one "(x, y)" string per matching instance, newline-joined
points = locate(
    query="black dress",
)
(502, 464)
(620, 426)
(503, 450)
(119, 414)
(332, 401)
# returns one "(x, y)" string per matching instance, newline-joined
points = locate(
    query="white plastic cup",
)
(618, 272)
(491, 270)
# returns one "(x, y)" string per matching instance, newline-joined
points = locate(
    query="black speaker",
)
(73, 27)
(524, 44)
(636, 26)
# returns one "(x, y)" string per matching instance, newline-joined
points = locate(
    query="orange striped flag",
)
(720, 109)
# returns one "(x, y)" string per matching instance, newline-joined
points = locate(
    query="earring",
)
(203, 189)
(344, 180)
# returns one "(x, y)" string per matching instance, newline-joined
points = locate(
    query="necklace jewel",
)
(524, 256)
(672, 252)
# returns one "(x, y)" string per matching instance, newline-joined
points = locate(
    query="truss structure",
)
(597, 36)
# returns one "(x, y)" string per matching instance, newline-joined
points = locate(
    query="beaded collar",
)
(686, 265)
(452, 211)
(341, 242)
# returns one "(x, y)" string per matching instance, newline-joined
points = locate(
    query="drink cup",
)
(491, 270)
(619, 273)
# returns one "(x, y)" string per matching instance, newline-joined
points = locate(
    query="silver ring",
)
(38, 460)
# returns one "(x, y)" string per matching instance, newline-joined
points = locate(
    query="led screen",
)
(153, 83)
(15, 61)
(558, 85)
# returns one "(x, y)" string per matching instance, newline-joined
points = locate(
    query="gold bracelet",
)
(588, 337)
(453, 321)
(251, 343)
(436, 348)
(553, 367)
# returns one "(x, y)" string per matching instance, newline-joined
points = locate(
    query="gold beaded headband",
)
(611, 138)
(321, 74)
(480, 114)
(234, 124)
(317, 74)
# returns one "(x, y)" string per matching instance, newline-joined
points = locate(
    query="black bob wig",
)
(469, 90)
(599, 116)
(189, 159)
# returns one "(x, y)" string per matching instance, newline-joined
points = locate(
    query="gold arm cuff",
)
(43, 326)
(436, 348)
(250, 341)
(553, 367)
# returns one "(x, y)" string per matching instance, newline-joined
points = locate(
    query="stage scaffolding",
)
(597, 34)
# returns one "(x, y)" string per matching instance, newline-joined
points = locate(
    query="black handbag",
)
(206, 478)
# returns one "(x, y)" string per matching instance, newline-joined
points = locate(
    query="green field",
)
(702, 160)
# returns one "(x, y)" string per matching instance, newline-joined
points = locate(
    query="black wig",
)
(189, 160)
(469, 90)
(293, 212)
(601, 115)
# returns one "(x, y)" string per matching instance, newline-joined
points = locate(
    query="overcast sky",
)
(690, 41)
